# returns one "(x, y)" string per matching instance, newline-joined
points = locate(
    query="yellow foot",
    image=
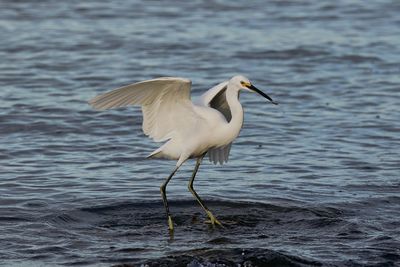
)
(213, 220)
(170, 224)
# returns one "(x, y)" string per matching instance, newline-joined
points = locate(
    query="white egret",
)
(189, 129)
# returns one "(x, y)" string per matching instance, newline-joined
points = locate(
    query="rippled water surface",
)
(314, 181)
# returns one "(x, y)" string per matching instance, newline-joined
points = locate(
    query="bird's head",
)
(243, 83)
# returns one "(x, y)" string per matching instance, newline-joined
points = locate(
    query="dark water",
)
(314, 181)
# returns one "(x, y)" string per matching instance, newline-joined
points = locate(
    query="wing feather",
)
(220, 154)
(141, 93)
(163, 100)
(207, 97)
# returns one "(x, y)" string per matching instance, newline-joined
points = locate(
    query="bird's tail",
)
(155, 154)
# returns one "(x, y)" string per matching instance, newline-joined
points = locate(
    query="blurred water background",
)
(311, 182)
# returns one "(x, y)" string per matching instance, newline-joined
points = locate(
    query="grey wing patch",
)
(219, 154)
(219, 103)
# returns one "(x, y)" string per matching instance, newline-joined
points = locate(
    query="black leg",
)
(164, 196)
(213, 220)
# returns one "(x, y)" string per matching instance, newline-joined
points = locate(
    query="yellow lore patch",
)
(245, 84)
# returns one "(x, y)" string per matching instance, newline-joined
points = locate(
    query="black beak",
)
(252, 87)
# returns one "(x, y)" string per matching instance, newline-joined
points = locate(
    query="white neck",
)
(236, 122)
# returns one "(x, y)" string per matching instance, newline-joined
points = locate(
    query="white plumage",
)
(160, 99)
(189, 129)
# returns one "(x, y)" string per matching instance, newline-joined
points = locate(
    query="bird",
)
(188, 129)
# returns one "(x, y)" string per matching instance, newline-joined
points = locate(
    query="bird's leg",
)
(213, 220)
(164, 196)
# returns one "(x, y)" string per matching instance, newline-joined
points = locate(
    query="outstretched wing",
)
(216, 98)
(165, 104)
(215, 94)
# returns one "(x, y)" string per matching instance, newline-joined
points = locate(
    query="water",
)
(311, 182)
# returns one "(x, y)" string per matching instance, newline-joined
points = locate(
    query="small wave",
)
(13, 219)
(287, 54)
(231, 257)
(357, 58)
